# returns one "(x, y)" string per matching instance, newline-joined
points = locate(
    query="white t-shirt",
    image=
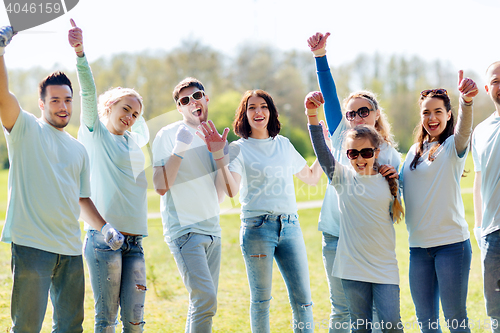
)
(266, 167)
(48, 174)
(118, 182)
(191, 204)
(367, 243)
(433, 202)
(486, 156)
(329, 217)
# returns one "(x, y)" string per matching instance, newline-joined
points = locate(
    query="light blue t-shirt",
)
(486, 156)
(367, 243)
(266, 167)
(48, 174)
(117, 178)
(329, 217)
(191, 204)
(434, 208)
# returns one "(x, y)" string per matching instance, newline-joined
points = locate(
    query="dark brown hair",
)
(376, 139)
(241, 126)
(55, 79)
(421, 134)
(186, 83)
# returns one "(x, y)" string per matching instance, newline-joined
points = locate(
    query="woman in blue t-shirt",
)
(440, 250)
(118, 185)
(262, 167)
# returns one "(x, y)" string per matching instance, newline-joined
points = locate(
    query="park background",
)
(393, 48)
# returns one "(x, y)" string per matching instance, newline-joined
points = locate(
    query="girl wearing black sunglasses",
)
(366, 263)
(361, 108)
(440, 249)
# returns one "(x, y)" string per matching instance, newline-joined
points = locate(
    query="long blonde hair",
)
(381, 124)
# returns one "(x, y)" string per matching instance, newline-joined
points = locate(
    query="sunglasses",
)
(362, 112)
(426, 92)
(197, 95)
(366, 153)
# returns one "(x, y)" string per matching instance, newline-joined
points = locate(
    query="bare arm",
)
(90, 214)
(310, 175)
(9, 106)
(164, 176)
(478, 202)
(227, 182)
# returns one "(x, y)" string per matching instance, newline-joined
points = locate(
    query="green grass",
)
(167, 300)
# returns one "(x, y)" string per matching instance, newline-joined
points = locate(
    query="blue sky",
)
(464, 33)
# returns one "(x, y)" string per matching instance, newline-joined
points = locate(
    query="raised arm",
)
(9, 106)
(226, 181)
(88, 90)
(323, 154)
(333, 112)
(463, 129)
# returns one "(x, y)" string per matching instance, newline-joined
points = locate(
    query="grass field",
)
(166, 302)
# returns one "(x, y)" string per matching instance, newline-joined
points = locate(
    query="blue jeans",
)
(339, 316)
(198, 260)
(36, 272)
(441, 272)
(118, 278)
(362, 296)
(263, 238)
(491, 265)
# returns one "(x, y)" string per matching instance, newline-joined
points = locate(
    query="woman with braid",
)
(366, 261)
(119, 185)
(440, 250)
(361, 107)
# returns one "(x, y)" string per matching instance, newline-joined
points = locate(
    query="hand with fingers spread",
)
(183, 140)
(6, 34)
(313, 100)
(75, 38)
(112, 237)
(317, 44)
(467, 87)
(215, 142)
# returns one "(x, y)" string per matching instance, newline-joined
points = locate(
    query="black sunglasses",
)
(353, 154)
(197, 95)
(426, 92)
(362, 112)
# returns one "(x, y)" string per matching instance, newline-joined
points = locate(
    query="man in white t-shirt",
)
(486, 155)
(48, 183)
(185, 177)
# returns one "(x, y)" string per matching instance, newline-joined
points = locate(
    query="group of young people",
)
(54, 178)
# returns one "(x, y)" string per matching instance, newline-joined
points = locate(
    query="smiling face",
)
(57, 105)
(196, 111)
(123, 115)
(258, 117)
(363, 166)
(354, 104)
(434, 117)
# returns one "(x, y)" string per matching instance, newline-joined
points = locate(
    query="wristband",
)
(218, 155)
(319, 52)
(311, 112)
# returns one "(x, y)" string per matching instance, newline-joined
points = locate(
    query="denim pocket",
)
(253, 222)
(182, 240)
(96, 239)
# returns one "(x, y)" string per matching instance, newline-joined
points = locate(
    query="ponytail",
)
(397, 211)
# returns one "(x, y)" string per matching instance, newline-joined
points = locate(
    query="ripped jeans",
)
(118, 278)
(263, 238)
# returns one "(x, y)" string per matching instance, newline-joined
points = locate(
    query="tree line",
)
(287, 75)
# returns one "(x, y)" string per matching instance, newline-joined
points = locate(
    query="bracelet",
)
(312, 112)
(178, 155)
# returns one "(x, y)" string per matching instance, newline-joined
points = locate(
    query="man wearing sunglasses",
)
(184, 175)
(486, 155)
